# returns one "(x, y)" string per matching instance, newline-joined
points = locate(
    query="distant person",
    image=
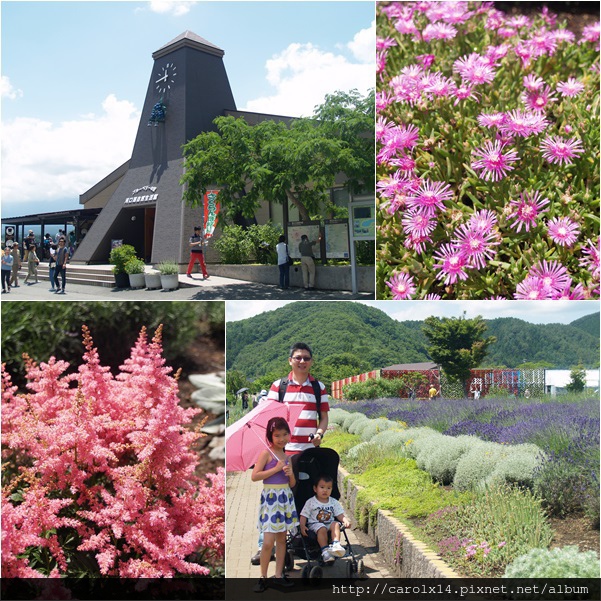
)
(71, 242)
(7, 265)
(32, 264)
(62, 256)
(283, 262)
(27, 245)
(196, 252)
(46, 244)
(245, 400)
(432, 393)
(14, 275)
(527, 393)
(305, 248)
(52, 265)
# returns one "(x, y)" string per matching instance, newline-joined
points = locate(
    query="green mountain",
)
(349, 338)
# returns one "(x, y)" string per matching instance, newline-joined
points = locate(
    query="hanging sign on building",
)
(135, 199)
(211, 212)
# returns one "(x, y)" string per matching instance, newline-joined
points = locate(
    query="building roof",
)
(55, 218)
(188, 38)
(411, 367)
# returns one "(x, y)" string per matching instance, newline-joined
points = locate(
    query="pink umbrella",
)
(245, 438)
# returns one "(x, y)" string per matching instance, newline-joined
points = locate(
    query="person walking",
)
(196, 252)
(27, 244)
(62, 256)
(14, 274)
(305, 249)
(32, 264)
(52, 265)
(7, 265)
(283, 262)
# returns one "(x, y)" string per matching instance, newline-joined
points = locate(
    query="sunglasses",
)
(301, 358)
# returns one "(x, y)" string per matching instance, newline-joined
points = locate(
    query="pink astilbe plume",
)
(110, 463)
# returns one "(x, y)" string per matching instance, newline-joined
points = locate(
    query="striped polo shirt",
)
(307, 421)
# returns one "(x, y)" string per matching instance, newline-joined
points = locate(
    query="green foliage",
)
(119, 257)
(234, 245)
(264, 239)
(134, 265)
(350, 419)
(439, 455)
(375, 426)
(493, 463)
(381, 387)
(235, 380)
(336, 416)
(49, 328)
(356, 427)
(457, 344)
(340, 441)
(168, 268)
(280, 162)
(568, 562)
(365, 252)
(577, 380)
(507, 521)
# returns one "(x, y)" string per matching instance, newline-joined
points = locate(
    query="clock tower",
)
(188, 88)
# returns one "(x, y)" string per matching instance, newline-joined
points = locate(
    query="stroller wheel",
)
(360, 569)
(289, 561)
(305, 573)
(315, 575)
(350, 569)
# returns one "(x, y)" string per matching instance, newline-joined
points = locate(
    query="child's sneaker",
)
(327, 557)
(337, 549)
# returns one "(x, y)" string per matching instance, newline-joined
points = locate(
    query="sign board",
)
(364, 222)
(298, 228)
(337, 240)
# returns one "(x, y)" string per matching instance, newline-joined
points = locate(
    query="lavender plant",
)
(488, 154)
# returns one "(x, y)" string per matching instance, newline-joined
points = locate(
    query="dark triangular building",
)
(142, 204)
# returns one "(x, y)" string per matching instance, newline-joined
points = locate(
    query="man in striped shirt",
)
(309, 429)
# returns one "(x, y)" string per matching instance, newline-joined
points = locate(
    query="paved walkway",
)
(242, 504)
(215, 288)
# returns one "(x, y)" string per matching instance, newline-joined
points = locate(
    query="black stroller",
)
(307, 467)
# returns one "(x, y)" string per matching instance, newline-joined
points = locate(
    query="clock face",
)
(165, 78)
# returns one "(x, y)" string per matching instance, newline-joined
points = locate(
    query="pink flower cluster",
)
(108, 461)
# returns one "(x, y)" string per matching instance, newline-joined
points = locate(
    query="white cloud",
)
(363, 45)
(7, 90)
(176, 8)
(237, 310)
(43, 161)
(302, 75)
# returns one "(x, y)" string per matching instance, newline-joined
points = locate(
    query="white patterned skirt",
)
(277, 511)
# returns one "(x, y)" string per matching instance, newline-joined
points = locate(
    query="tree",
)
(294, 162)
(457, 344)
(577, 380)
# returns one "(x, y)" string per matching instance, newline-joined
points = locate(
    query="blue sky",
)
(74, 77)
(531, 311)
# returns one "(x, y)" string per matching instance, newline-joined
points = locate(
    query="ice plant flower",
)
(552, 274)
(474, 69)
(563, 231)
(526, 209)
(453, 264)
(532, 288)
(401, 285)
(537, 100)
(570, 88)
(557, 150)
(476, 245)
(494, 161)
(429, 197)
(524, 124)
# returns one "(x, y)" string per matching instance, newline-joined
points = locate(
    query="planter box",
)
(136, 280)
(152, 279)
(327, 277)
(169, 282)
(122, 280)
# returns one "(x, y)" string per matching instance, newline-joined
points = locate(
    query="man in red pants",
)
(196, 254)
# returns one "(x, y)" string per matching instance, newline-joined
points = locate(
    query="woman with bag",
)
(284, 262)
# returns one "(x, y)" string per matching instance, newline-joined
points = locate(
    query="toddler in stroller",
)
(316, 492)
(322, 514)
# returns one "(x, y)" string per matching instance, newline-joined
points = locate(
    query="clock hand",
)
(161, 78)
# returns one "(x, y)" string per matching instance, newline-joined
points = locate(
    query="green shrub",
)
(234, 245)
(555, 563)
(375, 426)
(340, 441)
(412, 437)
(357, 425)
(168, 268)
(119, 257)
(389, 439)
(439, 455)
(336, 416)
(264, 239)
(134, 265)
(350, 419)
(515, 463)
(373, 389)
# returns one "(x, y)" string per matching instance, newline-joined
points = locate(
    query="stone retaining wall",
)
(327, 277)
(406, 556)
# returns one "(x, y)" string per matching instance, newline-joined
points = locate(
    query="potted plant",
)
(152, 279)
(119, 256)
(169, 274)
(135, 269)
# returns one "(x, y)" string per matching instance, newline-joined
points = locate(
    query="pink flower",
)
(438, 31)
(435, 84)
(452, 264)
(418, 223)
(475, 69)
(402, 286)
(526, 209)
(533, 82)
(483, 220)
(591, 259)
(552, 274)
(524, 124)
(537, 100)
(491, 120)
(590, 33)
(425, 60)
(476, 245)
(570, 88)
(430, 196)
(558, 150)
(563, 231)
(493, 163)
(532, 288)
